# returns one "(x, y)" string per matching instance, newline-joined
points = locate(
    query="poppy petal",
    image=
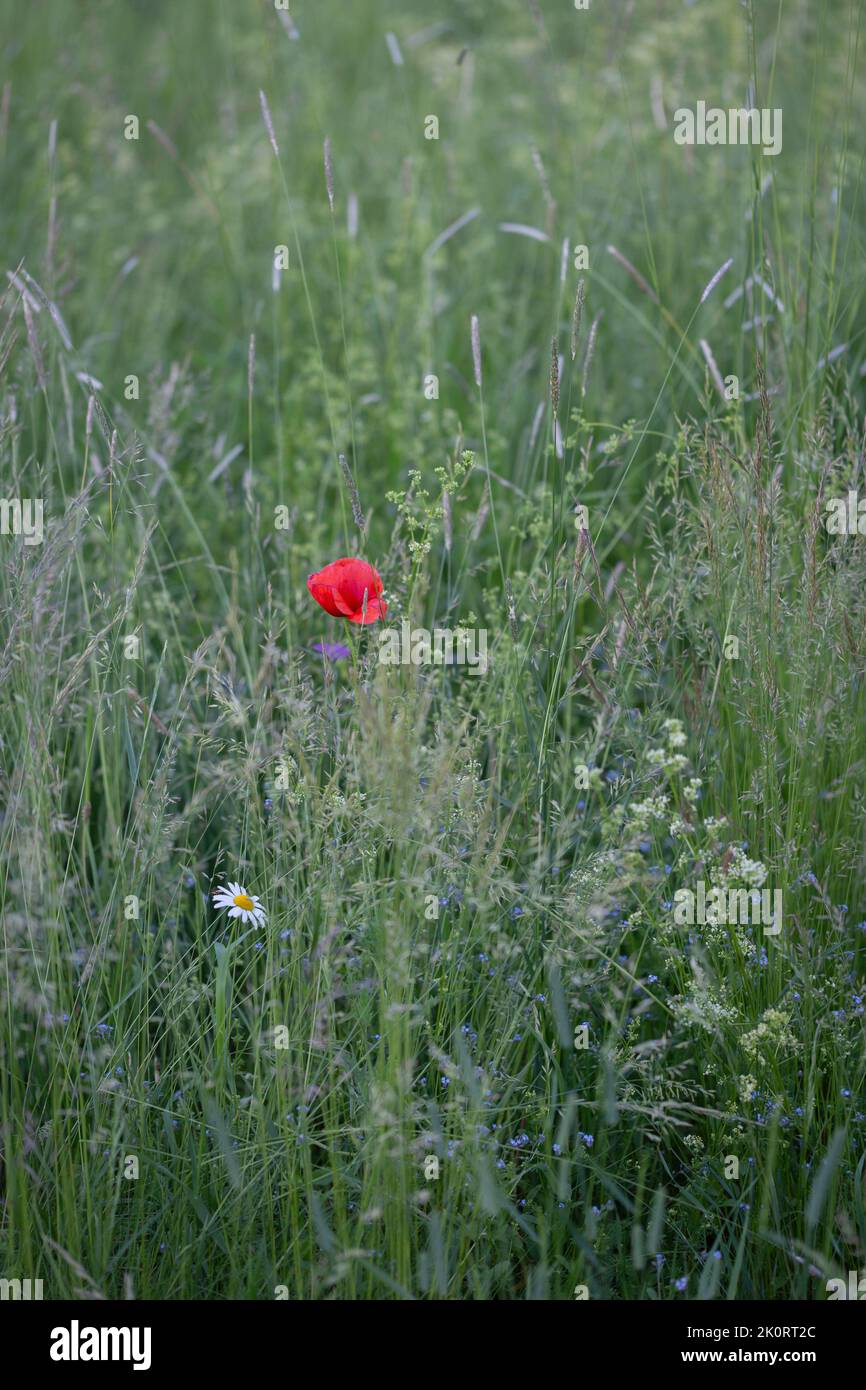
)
(349, 588)
(376, 608)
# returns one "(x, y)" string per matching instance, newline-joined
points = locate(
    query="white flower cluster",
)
(665, 757)
(750, 873)
(705, 1008)
(642, 812)
(772, 1036)
(676, 737)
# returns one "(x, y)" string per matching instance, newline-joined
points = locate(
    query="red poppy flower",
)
(340, 589)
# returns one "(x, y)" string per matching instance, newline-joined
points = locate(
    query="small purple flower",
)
(334, 651)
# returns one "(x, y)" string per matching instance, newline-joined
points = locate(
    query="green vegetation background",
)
(446, 904)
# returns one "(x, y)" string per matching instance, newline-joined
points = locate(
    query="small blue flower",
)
(334, 651)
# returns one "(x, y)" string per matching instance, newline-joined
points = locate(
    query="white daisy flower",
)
(240, 903)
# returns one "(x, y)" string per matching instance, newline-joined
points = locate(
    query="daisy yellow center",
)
(243, 902)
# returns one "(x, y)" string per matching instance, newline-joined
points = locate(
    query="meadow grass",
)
(472, 1054)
